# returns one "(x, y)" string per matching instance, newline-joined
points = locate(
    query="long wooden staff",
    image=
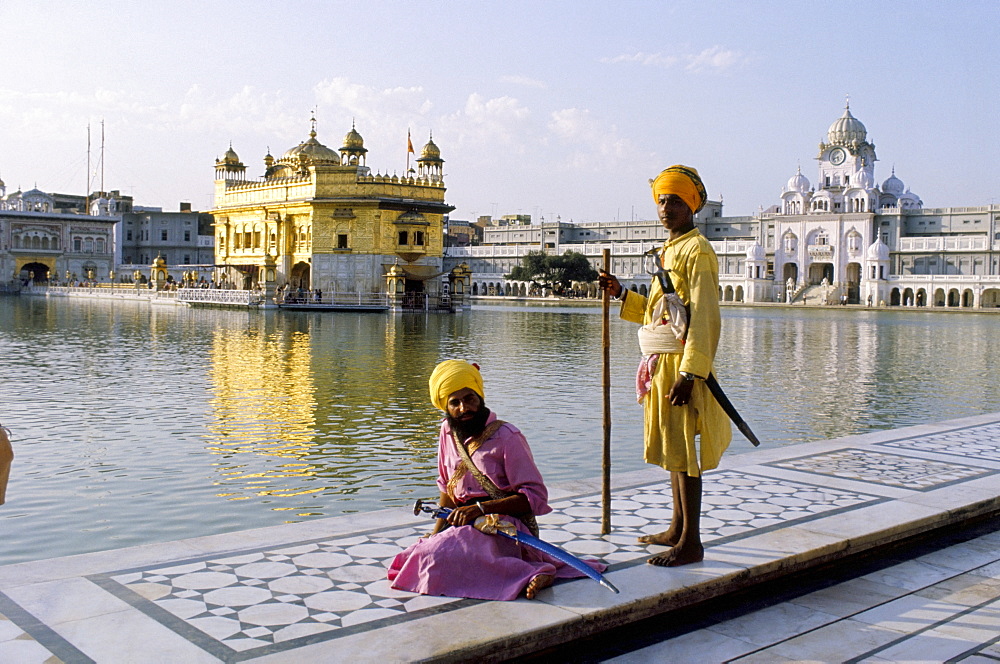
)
(606, 385)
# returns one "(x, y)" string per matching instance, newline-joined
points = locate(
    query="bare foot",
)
(540, 582)
(668, 537)
(679, 556)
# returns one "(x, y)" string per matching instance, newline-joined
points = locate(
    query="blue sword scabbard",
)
(529, 540)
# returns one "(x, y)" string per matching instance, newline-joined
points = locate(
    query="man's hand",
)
(680, 393)
(609, 282)
(464, 516)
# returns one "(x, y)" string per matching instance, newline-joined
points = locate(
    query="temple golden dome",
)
(353, 140)
(431, 151)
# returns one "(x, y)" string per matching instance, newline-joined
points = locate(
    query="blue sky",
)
(543, 108)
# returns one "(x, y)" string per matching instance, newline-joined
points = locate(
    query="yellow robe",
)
(670, 430)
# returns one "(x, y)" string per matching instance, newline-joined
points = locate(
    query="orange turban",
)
(451, 376)
(683, 181)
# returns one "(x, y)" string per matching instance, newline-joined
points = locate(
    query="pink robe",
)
(464, 562)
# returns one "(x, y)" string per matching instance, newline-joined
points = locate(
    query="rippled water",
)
(135, 424)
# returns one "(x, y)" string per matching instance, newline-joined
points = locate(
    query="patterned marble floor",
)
(259, 601)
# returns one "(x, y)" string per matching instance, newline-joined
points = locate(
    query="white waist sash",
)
(664, 336)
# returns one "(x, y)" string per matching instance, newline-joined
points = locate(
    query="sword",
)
(667, 286)
(528, 540)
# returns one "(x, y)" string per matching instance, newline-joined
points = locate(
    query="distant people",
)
(677, 357)
(485, 468)
(869, 299)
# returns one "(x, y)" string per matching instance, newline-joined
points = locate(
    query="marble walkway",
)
(316, 591)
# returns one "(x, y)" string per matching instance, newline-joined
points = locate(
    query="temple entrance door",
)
(36, 272)
(299, 277)
(820, 271)
(414, 296)
(853, 286)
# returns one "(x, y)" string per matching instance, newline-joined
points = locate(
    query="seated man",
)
(456, 559)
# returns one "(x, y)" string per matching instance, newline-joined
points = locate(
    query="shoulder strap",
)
(491, 489)
(486, 483)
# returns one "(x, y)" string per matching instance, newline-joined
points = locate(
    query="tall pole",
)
(102, 156)
(606, 386)
(86, 192)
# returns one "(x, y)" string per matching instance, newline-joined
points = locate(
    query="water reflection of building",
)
(262, 429)
(322, 220)
(844, 235)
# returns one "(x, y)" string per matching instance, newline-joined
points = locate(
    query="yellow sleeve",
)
(705, 324)
(634, 308)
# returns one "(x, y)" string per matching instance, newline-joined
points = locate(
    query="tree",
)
(556, 272)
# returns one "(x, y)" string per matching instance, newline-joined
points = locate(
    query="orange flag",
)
(409, 143)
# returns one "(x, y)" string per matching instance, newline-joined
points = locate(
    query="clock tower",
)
(846, 158)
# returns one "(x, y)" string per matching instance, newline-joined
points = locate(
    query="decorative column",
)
(268, 277)
(395, 284)
(459, 279)
(158, 273)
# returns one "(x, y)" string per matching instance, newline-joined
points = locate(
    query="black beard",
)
(470, 428)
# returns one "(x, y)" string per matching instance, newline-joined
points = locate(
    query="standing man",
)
(670, 382)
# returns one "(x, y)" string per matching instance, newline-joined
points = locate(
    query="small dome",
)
(893, 185)
(910, 201)
(279, 171)
(846, 129)
(353, 140)
(431, 152)
(231, 156)
(864, 179)
(878, 251)
(756, 253)
(798, 182)
(310, 151)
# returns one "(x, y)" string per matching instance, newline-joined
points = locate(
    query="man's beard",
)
(472, 427)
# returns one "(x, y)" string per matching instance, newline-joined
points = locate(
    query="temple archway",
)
(300, 276)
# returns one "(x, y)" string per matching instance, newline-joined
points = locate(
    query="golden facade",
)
(323, 221)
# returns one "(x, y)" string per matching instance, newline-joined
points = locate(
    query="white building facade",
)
(842, 239)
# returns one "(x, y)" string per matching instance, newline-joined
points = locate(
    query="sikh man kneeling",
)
(485, 467)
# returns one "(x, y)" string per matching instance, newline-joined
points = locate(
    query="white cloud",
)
(524, 81)
(489, 123)
(593, 146)
(645, 59)
(714, 58)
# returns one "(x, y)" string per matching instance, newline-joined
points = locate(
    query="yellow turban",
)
(683, 181)
(451, 376)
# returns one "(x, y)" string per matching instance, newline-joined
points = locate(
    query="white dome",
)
(846, 129)
(893, 185)
(756, 253)
(798, 182)
(864, 179)
(878, 251)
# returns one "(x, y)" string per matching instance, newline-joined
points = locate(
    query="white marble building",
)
(843, 236)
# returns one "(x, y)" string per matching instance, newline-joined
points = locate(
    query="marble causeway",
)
(244, 605)
(273, 599)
